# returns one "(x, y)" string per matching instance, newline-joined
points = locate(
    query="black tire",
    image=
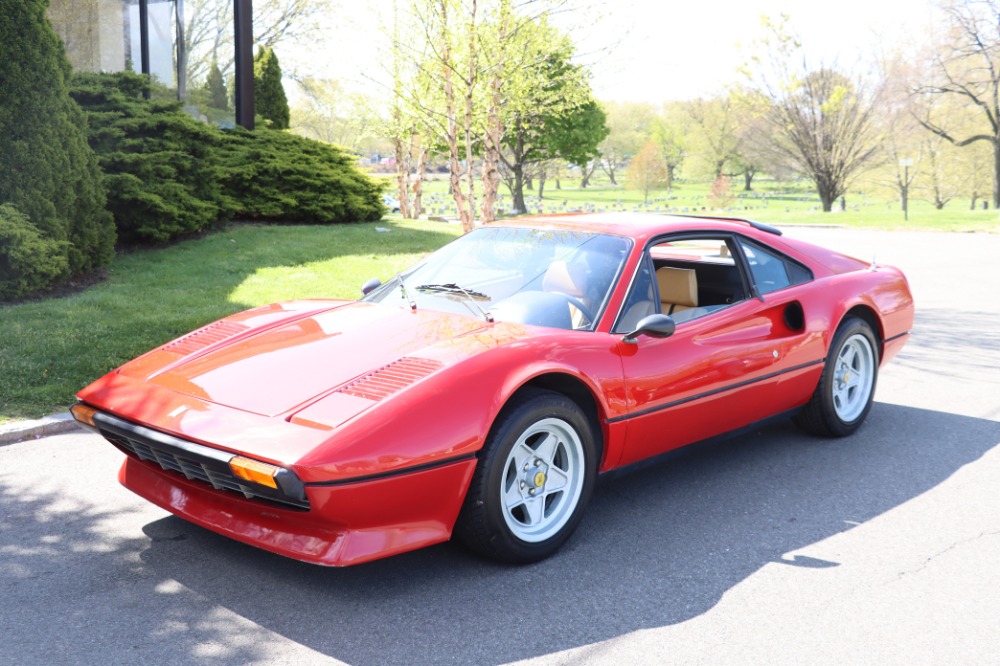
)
(499, 519)
(835, 409)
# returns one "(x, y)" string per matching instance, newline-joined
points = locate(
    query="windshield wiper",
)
(402, 291)
(452, 288)
(471, 294)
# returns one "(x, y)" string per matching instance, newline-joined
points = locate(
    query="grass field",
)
(51, 348)
(770, 202)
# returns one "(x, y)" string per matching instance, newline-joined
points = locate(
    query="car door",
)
(727, 364)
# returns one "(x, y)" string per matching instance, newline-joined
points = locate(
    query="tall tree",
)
(629, 127)
(270, 101)
(208, 29)
(215, 86)
(647, 171)
(823, 121)
(968, 68)
(50, 173)
(669, 130)
(714, 140)
(556, 117)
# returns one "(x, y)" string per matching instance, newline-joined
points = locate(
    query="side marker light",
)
(84, 414)
(254, 471)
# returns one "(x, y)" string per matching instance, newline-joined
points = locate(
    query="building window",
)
(148, 36)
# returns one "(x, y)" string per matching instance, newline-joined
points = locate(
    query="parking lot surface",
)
(770, 548)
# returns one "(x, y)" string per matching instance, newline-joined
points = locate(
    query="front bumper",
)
(347, 523)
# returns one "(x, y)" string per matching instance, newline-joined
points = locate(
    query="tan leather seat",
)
(678, 289)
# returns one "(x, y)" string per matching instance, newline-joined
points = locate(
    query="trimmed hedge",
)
(49, 173)
(170, 175)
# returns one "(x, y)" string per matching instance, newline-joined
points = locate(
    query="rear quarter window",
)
(772, 270)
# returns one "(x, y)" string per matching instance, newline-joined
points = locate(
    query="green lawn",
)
(770, 202)
(51, 348)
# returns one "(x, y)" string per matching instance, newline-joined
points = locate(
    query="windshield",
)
(549, 277)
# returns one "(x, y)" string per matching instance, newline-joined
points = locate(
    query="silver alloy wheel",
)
(854, 377)
(542, 480)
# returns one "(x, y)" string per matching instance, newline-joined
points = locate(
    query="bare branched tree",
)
(823, 121)
(968, 67)
(208, 29)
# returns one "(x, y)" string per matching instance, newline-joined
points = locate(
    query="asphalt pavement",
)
(770, 548)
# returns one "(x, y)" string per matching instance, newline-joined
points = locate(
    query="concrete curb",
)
(19, 431)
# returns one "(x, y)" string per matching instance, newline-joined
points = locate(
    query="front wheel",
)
(847, 386)
(534, 478)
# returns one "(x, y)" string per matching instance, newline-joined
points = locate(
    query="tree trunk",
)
(827, 198)
(517, 193)
(402, 178)
(748, 180)
(541, 184)
(587, 170)
(494, 122)
(671, 175)
(516, 166)
(451, 115)
(418, 182)
(470, 85)
(996, 172)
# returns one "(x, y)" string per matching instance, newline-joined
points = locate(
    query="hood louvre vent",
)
(391, 378)
(203, 337)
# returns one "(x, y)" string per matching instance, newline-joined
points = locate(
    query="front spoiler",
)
(348, 523)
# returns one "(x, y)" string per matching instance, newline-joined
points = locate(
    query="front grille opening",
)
(210, 471)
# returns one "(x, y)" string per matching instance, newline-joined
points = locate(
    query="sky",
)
(650, 50)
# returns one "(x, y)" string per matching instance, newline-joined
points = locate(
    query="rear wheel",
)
(847, 386)
(535, 476)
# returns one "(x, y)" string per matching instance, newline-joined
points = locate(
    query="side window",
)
(772, 271)
(641, 301)
(686, 277)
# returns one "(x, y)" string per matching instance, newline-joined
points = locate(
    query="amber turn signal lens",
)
(83, 414)
(254, 471)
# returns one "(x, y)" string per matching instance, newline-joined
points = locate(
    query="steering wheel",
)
(578, 304)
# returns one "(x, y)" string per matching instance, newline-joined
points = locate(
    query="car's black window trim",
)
(730, 239)
(741, 240)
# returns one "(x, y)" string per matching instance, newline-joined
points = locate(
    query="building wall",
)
(94, 32)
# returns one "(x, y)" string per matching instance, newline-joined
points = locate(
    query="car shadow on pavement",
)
(658, 546)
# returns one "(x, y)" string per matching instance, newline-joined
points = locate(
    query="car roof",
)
(638, 226)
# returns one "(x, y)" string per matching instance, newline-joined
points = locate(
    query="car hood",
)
(285, 367)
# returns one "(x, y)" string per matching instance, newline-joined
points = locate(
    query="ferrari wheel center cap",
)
(539, 479)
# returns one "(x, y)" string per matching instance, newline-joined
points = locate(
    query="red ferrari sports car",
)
(480, 393)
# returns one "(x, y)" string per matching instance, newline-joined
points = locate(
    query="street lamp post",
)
(906, 164)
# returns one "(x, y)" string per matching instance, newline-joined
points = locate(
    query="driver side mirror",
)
(370, 286)
(654, 325)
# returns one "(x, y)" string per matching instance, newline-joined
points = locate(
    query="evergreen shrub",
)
(276, 176)
(29, 262)
(270, 102)
(49, 173)
(170, 175)
(160, 163)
